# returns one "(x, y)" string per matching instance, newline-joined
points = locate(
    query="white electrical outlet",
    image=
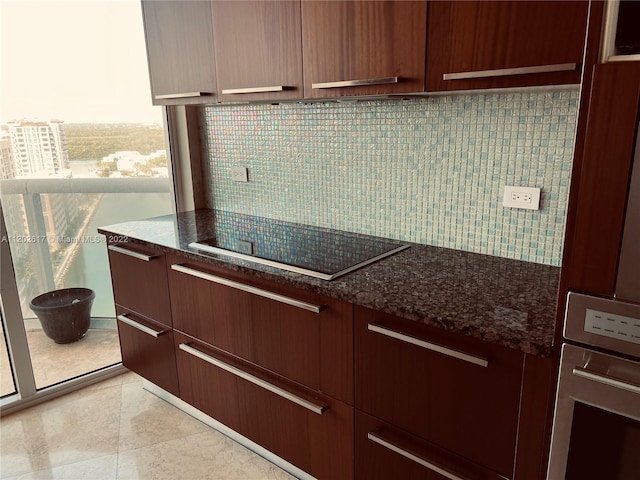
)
(239, 174)
(521, 197)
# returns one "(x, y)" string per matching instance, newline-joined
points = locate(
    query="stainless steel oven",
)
(596, 430)
(596, 426)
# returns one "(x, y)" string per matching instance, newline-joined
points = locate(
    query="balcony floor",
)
(53, 363)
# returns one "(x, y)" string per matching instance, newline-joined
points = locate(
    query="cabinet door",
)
(179, 38)
(453, 391)
(363, 47)
(258, 50)
(314, 348)
(493, 44)
(384, 452)
(148, 349)
(313, 432)
(139, 279)
(591, 259)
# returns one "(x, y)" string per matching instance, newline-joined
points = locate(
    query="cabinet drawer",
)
(271, 328)
(384, 452)
(313, 432)
(139, 279)
(147, 349)
(459, 393)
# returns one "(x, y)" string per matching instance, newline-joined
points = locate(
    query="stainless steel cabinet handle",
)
(375, 437)
(356, 83)
(483, 362)
(247, 288)
(139, 326)
(504, 72)
(124, 251)
(315, 408)
(170, 96)
(606, 380)
(275, 88)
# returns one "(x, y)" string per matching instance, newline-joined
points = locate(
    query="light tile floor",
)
(116, 430)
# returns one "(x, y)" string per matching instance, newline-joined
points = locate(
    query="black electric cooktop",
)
(315, 251)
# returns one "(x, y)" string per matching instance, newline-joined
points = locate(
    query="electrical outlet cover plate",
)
(521, 197)
(244, 246)
(239, 174)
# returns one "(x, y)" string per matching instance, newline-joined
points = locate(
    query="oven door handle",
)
(606, 380)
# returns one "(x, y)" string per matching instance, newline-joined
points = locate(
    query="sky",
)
(81, 61)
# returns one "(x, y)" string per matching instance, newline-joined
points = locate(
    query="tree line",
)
(95, 141)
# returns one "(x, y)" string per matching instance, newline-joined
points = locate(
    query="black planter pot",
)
(64, 314)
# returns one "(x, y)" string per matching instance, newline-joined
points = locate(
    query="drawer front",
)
(314, 348)
(384, 452)
(311, 431)
(147, 349)
(462, 396)
(139, 281)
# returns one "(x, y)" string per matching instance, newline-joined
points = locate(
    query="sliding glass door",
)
(81, 147)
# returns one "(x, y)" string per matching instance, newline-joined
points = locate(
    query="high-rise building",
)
(13, 208)
(39, 148)
(36, 149)
(7, 165)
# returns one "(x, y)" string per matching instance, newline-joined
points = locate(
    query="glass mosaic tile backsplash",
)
(425, 170)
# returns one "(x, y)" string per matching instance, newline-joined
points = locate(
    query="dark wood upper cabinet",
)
(378, 45)
(179, 38)
(258, 50)
(470, 42)
(591, 258)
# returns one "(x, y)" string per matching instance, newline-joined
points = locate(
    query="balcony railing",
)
(31, 191)
(23, 186)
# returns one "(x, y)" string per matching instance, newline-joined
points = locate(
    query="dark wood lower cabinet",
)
(314, 348)
(276, 414)
(338, 390)
(384, 452)
(436, 391)
(147, 349)
(139, 279)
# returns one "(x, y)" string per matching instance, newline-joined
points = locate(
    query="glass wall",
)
(81, 147)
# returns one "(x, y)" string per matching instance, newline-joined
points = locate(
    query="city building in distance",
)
(38, 148)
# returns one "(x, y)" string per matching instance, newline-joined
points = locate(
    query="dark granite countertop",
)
(508, 302)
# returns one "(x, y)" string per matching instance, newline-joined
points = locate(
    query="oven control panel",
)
(602, 322)
(612, 325)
